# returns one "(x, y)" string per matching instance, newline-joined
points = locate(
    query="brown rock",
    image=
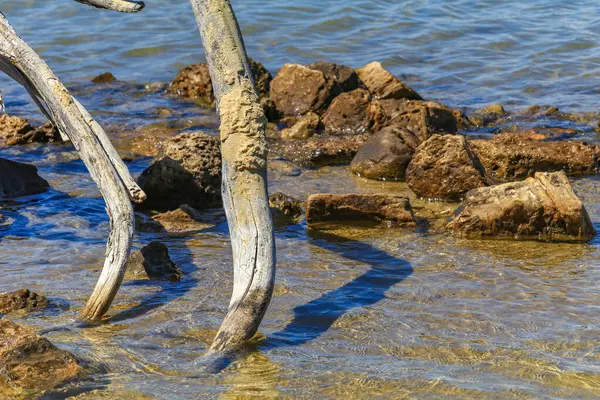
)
(270, 109)
(357, 208)
(386, 155)
(297, 90)
(46, 133)
(194, 82)
(488, 115)
(422, 117)
(319, 151)
(11, 126)
(343, 79)
(353, 112)
(305, 127)
(153, 262)
(104, 78)
(186, 220)
(188, 171)
(509, 157)
(383, 85)
(18, 179)
(285, 208)
(445, 168)
(543, 208)
(21, 300)
(31, 364)
(262, 78)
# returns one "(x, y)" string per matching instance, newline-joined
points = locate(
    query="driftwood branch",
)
(115, 5)
(116, 185)
(243, 147)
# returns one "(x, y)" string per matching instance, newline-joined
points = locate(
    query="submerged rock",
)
(544, 207)
(187, 171)
(31, 364)
(285, 208)
(18, 179)
(488, 115)
(104, 78)
(445, 168)
(353, 112)
(383, 85)
(319, 151)
(153, 262)
(21, 300)
(509, 157)
(185, 220)
(305, 127)
(356, 208)
(386, 155)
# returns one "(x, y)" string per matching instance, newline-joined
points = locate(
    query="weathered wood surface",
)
(244, 172)
(116, 185)
(115, 5)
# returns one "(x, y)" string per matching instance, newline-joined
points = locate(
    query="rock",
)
(11, 126)
(18, 179)
(270, 109)
(425, 118)
(194, 82)
(319, 151)
(488, 115)
(305, 127)
(386, 155)
(285, 208)
(343, 79)
(509, 157)
(188, 171)
(30, 364)
(297, 90)
(445, 168)
(357, 208)
(185, 220)
(544, 133)
(262, 78)
(383, 85)
(544, 208)
(153, 262)
(21, 300)
(353, 112)
(46, 133)
(104, 78)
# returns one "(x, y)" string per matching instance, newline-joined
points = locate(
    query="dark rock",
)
(194, 82)
(297, 90)
(343, 79)
(383, 85)
(285, 208)
(445, 168)
(386, 155)
(18, 179)
(544, 207)
(353, 112)
(357, 208)
(153, 262)
(305, 127)
(30, 364)
(21, 300)
(262, 78)
(488, 115)
(104, 78)
(319, 151)
(188, 171)
(46, 133)
(425, 118)
(509, 157)
(270, 109)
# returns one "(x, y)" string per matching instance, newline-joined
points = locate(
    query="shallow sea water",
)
(358, 313)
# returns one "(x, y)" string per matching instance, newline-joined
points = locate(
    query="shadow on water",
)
(314, 318)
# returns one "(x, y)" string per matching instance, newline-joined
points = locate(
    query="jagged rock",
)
(343, 79)
(386, 155)
(31, 365)
(21, 300)
(509, 157)
(319, 151)
(16, 130)
(356, 208)
(297, 89)
(187, 171)
(544, 207)
(305, 127)
(425, 118)
(445, 168)
(353, 112)
(383, 85)
(153, 262)
(104, 78)
(285, 208)
(18, 179)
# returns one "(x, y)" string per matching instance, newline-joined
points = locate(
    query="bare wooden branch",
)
(20, 62)
(115, 5)
(244, 172)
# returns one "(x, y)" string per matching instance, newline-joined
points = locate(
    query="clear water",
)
(357, 313)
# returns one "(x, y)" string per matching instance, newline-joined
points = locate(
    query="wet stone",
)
(18, 179)
(353, 112)
(104, 78)
(21, 300)
(425, 118)
(284, 208)
(153, 262)
(305, 127)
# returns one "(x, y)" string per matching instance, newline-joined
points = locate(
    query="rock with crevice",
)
(22, 300)
(383, 85)
(425, 118)
(18, 179)
(445, 168)
(30, 365)
(153, 262)
(324, 209)
(187, 171)
(543, 207)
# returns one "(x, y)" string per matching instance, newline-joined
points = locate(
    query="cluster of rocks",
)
(17, 131)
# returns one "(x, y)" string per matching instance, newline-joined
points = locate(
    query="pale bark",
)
(116, 185)
(244, 172)
(115, 5)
